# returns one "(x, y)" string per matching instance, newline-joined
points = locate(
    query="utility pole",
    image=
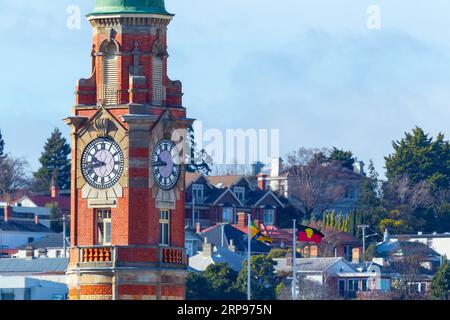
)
(363, 227)
(294, 262)
(249, 244)
(64, 236)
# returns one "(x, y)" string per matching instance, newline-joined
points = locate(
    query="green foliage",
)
(279, 290)
(218, 282)
(340, 222)
(440, 286)
(55, 224)
(276, 253)
(369, 190)
(287, 214)
(420, 158)
(344, 157)
(263, 278)
(370, 252)
(55, 162)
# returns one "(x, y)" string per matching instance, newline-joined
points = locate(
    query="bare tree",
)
(13, 175)
(312, 181)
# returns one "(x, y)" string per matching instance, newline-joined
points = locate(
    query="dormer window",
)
(239, 192)
(197, 193)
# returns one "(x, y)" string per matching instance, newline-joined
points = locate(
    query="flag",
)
(308, 234)
(257, 234)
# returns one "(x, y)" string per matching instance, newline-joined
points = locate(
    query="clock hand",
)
(159, 163)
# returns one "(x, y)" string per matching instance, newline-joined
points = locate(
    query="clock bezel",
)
(174, 183)
(121, 169)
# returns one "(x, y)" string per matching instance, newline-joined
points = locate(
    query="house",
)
(62, 199)
(228, 236)
(212, 255)
(18, 228)
(192, 242)
(283, 182)
(33, 279)
(438, 242)
(335, 277)
(51, 246)
(219, 199)
(341, 244)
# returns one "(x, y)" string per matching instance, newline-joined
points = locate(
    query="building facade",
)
(127, 223)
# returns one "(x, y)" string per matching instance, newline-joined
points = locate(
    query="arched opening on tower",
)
(110, 77)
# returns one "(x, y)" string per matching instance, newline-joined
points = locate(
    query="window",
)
(239, 192)
(158, 90)
(227, 215)
(164, 227)
(103, 226)
(269, 217)
(341, 288)
(353, 285)
(110, 75)
(7, 294)
(197, 193)
(364, 285)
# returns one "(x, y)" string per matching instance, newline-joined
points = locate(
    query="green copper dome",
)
(130, 6)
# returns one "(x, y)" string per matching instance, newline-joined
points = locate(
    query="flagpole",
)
(294, 262)
(193, 209)
(249, 289)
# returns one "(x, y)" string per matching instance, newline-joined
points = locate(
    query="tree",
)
(54, 162)
(370, 252)
(313, 185)
(420, 158)
(197, 160)
(2, 146)
(345, 158)
(13, 175)
(440, 286)
(263, 279)
(369, 190)
(55, 222)
(217, 282)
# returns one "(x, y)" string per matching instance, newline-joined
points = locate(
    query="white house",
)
(33, 279)
(438, 242)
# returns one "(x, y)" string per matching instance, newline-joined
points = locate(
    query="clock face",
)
(166, 165)
(102, 163)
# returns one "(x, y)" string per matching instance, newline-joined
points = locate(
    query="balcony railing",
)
(115, 256)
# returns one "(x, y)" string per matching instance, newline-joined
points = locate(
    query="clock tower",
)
(128, 134)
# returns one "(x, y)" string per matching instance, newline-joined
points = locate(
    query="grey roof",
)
(43, 265)
(220, 255)
(51, 241)
(214, 235)
(308, 264)
(23, 226)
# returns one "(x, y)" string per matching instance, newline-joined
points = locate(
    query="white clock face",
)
(102, 163)
(166, 165)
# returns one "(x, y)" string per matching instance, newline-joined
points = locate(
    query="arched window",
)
(158, 89)
(110, 80)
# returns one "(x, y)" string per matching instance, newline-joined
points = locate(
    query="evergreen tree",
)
(332, 220)
(55, 162)
(340, 222)
(368, 197)
(263, 278)
(420, 158)
(2, 146)
(344, 157)
(440, 286)
(346, 223)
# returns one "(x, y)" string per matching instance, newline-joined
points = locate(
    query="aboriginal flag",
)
(308, 234)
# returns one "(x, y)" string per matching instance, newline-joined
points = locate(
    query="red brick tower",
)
(128, 124)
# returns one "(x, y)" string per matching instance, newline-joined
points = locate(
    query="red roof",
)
(42, 201)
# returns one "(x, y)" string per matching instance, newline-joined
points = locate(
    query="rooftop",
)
(44, 265)
(221, 255)
(103, 7)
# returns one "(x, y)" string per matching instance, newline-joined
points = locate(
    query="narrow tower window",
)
(158, 90)
(110, 82)
(164, 227)
(103, 226)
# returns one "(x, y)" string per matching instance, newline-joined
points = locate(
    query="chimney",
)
(262, 181)
(198, 227)
(242, 220)
(276, 167)
(8, 213)
(208, 249)
(54, 191)
(386, 236)
(232, 247)
(29, 252)
(257, 168)
(358, 167)
(36, 219)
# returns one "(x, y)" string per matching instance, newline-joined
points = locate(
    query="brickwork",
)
(134, 215)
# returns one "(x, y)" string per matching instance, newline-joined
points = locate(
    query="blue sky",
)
(310, 68)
